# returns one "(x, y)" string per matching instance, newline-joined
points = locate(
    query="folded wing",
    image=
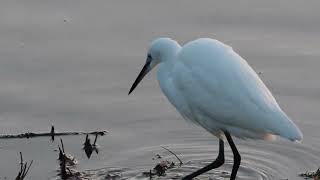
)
(224, 93)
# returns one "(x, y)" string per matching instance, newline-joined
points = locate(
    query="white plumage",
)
(212, 86)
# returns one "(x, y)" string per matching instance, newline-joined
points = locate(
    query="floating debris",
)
(66, 162)
(161, 168)
(157, 156)
(111, 176)
(51, 134)
(173, 154)
(24, 168)
(164, 165)
(312, 175)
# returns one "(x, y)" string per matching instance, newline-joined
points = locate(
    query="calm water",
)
(71, 63)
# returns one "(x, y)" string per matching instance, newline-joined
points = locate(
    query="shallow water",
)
(71, 63)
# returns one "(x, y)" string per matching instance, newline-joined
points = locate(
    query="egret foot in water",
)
(215, 164)
(220, 160)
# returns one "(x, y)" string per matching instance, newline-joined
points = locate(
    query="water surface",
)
(71, 63)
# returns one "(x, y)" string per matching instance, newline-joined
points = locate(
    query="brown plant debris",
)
(66, 161)
(311, 175)
(164, 165)
(173, 154)
(24, 168)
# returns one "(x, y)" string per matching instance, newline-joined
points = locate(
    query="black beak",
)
(146, 68)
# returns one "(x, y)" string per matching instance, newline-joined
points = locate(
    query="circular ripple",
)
(260, 161)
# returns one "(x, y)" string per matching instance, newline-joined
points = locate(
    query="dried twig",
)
(94, 145)
(63, 162)
(24, 168)
(95, 140)
(150, 174)
(62, 146)
(173, 154)
(51, 134)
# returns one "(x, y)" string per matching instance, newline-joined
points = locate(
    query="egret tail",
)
(286, 128)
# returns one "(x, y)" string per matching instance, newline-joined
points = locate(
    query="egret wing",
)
(224, 93)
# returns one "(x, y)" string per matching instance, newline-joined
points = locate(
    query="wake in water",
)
(276, 161)
(259, 164)
(262, 161)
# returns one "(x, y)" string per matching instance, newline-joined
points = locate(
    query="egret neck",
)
(166, 62)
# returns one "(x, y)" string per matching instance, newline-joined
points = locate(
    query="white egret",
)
(212, 86)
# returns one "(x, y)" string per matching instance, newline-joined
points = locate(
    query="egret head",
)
(160, 50)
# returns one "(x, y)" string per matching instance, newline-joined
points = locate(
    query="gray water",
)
(71, 63)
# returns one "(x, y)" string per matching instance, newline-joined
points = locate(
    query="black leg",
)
(236, 156)
(215, 164)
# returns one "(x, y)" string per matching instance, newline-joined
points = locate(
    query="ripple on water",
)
(260, 161)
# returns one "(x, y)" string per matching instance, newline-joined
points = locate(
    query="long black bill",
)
(146, 68)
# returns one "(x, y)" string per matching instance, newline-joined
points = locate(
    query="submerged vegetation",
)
(24, 168)
(311, 175)
(67, 163)
(164, 165)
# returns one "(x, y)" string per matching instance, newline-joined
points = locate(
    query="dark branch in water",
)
(173, 154)
(164, 165)
(94, 145)
(24, 168)
(66, 161)
(50, 134)
(95, 140)
(62, 145)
